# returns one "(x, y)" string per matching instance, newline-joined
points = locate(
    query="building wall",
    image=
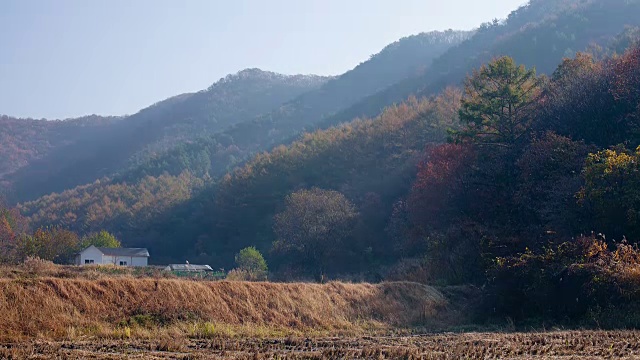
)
(108, 260)
(129, 260)
(139, 261)
(90, 253)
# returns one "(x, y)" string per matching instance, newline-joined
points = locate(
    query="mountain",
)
(521, 185)
(233, 99)
(217, 154)
(539, 34)
(406, 58)
(227, 216)
(25, 140)
(195, 225)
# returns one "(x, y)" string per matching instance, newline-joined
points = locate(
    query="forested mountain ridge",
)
(539, 34)
(25, 140)
(229, 229)
(406, 57)
(212, 224)
(183, 119)
(159, 127)
(219, 153)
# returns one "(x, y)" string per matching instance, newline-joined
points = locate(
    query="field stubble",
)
(549, 345)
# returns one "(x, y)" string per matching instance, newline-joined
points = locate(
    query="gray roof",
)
(188, 267)
(141, 252)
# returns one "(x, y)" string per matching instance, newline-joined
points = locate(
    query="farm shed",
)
(188, 268)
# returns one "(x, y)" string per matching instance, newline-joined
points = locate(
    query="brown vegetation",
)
(59, 308)
(549, 345)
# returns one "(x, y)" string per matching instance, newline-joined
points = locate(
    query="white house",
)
(113, 256)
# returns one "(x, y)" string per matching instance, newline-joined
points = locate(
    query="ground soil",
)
(534, 345)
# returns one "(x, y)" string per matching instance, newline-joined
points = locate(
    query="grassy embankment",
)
(60, 303)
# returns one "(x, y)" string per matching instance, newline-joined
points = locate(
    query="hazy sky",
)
(66, 58)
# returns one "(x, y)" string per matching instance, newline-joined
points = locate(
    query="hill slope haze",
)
(25, 140)
(233, 99)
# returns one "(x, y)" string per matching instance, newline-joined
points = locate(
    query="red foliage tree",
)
(436, 196)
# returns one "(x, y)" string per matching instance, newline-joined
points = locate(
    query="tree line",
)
(57, 244)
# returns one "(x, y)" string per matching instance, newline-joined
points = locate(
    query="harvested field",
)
(551, 345)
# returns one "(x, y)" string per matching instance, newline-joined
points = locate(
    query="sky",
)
(68, 58)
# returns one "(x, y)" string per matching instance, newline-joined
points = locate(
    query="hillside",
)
(57, 305)
(553, 29)
(403, 59)
(159, 127)
(216, 155)
(217, 220)
(539, 34)
(23, 141)
(144, 141)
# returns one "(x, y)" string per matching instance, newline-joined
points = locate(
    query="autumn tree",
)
(54, 244)
(497, 103)
(549, 177)
(438, 196)
(611, 192)
(314, 227)
(99, 239)
(594, 101)
(12, 227)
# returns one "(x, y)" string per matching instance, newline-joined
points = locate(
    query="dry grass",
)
(524, 346)
(124, 307)
(38, 268)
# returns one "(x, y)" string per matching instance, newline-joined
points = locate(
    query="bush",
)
(37, 265)
(569, 282)
(244, 275)
(251, 265)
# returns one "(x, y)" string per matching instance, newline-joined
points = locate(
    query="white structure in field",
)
(113, 256)
(188, 268)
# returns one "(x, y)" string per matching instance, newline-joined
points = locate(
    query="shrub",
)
(244, 275)
(568, 282)
(37, 265)
(250, 261)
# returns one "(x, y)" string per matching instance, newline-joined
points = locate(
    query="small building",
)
(188, 268)
(113, 256)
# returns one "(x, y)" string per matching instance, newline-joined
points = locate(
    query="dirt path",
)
(550, 345)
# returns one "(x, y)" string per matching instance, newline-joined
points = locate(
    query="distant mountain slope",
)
(218, 153)
(407, 57)
(231, 100)
(538, 34)
(25, 140)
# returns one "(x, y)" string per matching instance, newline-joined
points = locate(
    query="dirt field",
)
(550, 345)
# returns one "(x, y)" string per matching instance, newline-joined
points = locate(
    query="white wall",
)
(139, 261)
(130, 260)
(108, 260)
(91, 253)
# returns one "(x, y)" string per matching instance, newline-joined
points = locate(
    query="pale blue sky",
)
(66, 58)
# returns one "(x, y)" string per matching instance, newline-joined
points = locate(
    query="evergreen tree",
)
(497, 102)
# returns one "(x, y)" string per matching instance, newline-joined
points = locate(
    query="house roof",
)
(140, 252)
(188, 267)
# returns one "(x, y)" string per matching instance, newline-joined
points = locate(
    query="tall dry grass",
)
(55, 308)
